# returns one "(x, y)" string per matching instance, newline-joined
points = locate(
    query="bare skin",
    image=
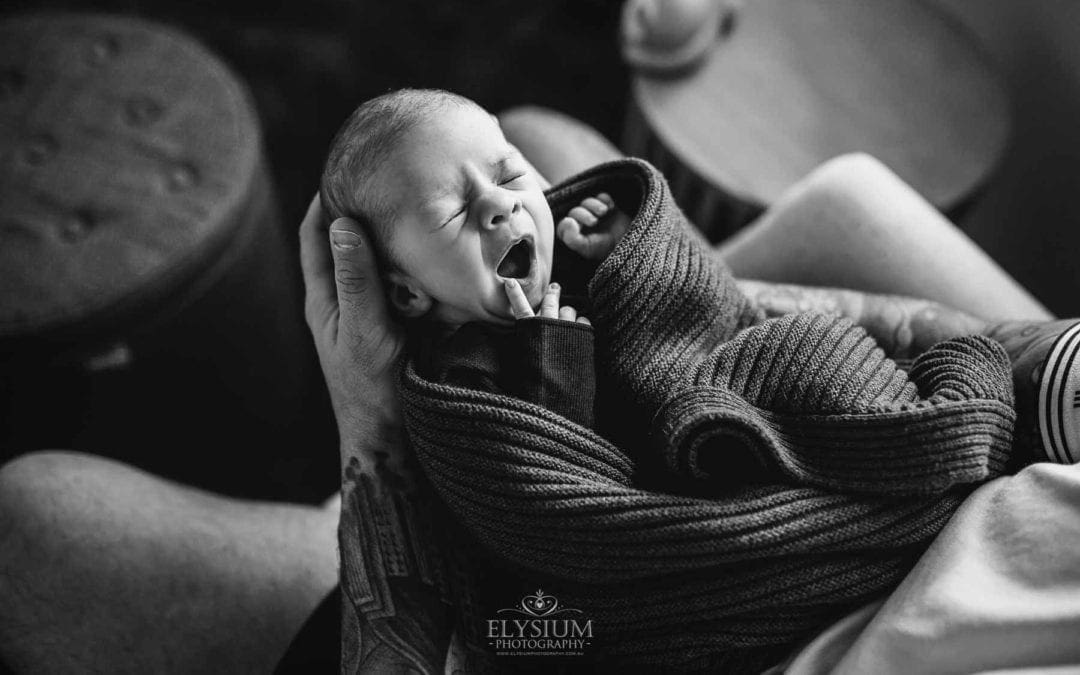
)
(105, 568)
(903, 327)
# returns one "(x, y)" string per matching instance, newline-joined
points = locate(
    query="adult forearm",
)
(370, 429)
(903, 326)
(395, 619)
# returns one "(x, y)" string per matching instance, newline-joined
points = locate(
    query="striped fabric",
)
(1058, 404)
(814, 470)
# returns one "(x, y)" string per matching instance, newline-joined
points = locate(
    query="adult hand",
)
(407, 629)
(357, 341)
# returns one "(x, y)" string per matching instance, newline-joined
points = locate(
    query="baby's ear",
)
(407, 296)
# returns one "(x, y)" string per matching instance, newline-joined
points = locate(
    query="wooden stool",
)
(793, 84)
(149, 304)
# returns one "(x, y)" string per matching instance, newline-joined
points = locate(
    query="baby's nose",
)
(502, 212)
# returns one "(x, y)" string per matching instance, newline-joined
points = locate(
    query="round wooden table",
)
(796, 83)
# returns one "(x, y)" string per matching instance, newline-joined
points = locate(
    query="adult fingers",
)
(595, 206)
(549, 306)
(568, 313)
(582, 215)
(519, 304)
(359, 292)
(320, 299)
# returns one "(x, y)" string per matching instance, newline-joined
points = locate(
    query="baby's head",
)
(452, 208)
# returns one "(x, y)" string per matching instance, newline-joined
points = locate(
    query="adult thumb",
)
(356, 277)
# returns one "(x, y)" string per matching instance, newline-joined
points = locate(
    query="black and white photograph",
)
(456, 337)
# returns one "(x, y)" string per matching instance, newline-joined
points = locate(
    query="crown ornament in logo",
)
(539, 605)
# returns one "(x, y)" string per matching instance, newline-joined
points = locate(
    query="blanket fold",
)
(821, 470)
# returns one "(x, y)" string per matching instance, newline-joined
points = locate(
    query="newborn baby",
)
(465, 237)
(458, 215)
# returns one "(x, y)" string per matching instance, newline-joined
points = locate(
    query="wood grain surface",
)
(796, 83)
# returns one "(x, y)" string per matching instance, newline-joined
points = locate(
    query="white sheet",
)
(999, 589)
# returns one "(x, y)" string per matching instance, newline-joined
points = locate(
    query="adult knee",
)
(21, 483)
(28, 497)
(852, 174)
(848, 195)
(39, 513)
(29, 487)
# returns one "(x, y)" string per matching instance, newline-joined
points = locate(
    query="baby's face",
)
(469, 213)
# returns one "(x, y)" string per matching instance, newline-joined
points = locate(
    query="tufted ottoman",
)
(149, 302)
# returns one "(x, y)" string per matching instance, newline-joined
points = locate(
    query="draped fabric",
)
(813, 471)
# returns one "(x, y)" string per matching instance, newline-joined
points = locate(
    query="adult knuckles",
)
(352, 281)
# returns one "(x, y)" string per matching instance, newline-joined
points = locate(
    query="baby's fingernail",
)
(553, 286)
(344, 239)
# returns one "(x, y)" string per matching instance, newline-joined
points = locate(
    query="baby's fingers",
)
(568, 313)
(583, 320)
(597, 206)
(569, 230)
(549, 306)
(519, 304)
(582, 215)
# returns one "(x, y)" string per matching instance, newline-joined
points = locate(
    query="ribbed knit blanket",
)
(815, 469)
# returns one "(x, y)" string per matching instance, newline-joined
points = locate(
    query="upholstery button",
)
(40, 149)
(76, 225)
(104, 49)
(142, 111)
(181, 177)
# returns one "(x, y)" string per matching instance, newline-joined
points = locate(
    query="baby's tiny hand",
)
(594, 228)
(549, 304)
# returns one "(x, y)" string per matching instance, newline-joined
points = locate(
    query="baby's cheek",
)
(546, 246)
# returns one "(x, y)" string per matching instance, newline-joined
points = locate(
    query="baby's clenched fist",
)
(593, 228)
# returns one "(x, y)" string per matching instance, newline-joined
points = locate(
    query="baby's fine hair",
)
(363, 145)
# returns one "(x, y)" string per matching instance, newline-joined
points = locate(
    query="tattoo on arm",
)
(396, 616)
(904, 327)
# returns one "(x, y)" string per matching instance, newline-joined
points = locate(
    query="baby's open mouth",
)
(517, 262)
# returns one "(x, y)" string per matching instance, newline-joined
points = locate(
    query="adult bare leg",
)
(104, 568)
(852, 223)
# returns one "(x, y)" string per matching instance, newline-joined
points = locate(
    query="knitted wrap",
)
(819, 470)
